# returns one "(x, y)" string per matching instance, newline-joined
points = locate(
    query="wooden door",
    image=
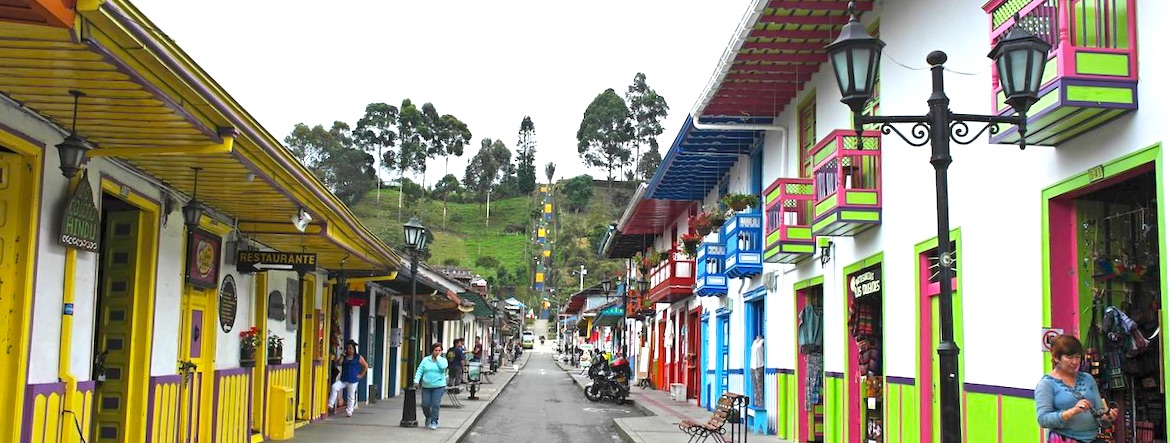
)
(14, 229)
(197, 347)
(119, 257)
(693, 362)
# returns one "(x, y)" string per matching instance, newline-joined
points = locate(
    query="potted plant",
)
(642, 263)
(717, 217)
(690, 244)
(739, 202)
(275, 349)
(186, 368)
(700, 222)
(249, 341)
(653, 258)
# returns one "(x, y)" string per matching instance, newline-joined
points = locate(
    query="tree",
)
(577, 192)
(647, 110)
(549, 170)
(450, 135)
(446, 187)
(605, 129)
(330, 154)
(648, 164)
(482, 170)
(375, 133)
(412, 145)
(526, 156)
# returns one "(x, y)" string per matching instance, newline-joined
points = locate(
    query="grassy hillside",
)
(467, 236)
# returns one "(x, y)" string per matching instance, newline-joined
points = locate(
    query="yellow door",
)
(197, 347)
(116, 313)
(13, 238)
(305, 346)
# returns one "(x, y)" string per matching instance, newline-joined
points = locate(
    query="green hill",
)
(499, 249)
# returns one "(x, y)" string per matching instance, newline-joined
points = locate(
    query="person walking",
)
(353, 368)
(432, 374)
(456, 357)
(1067, 399)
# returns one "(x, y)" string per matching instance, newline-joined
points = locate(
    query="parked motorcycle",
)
(609, 381)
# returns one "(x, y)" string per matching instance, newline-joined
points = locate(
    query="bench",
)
(729, 408)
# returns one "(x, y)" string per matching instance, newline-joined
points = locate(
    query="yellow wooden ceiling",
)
(132, 101)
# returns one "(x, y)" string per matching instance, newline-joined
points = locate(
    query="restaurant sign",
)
(81, 222)
(259, 261)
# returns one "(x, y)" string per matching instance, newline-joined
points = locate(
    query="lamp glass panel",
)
(1002, 69)
(1039, 59)
(861, 78)
(841, 68)
(1019, 69)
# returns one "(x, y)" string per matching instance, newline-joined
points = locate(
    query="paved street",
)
(542, 404)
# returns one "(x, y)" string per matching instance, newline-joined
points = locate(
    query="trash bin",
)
(473, 370)
(281, 413)
(372, 396)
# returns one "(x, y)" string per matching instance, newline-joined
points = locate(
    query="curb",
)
(460, 433)
(624, 433)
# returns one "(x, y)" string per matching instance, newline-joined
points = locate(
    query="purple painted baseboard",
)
(998, 390)
(30, 396)
(893, 380)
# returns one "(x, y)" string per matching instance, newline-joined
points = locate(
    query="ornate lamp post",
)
(1019, 60)
(416, 240)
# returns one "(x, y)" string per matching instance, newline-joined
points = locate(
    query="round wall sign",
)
(228, 299)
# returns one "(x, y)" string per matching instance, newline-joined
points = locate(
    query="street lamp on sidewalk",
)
(1019, 61)
(416, 241)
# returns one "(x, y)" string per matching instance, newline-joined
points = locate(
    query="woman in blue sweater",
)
(1068, 403)
(432, 374)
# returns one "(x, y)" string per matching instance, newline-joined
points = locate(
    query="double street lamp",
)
(416, 241)
(1019, 61)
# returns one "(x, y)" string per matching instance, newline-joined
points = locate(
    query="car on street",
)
(527, 339)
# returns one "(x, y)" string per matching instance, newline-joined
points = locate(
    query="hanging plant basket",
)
(739, 202)
(247, 357)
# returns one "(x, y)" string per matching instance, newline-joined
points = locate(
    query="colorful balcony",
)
(1091, 76)
(672, 280)
(743, 234)
(847, 183)
(710, 280)
(788, 204)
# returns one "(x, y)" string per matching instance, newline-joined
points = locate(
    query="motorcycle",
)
(610, 381)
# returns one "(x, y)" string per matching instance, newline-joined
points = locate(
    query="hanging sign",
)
(81, 222)
(866, 281)
(259, 261)
(227, 303)
(203, 259)
(1046, 337)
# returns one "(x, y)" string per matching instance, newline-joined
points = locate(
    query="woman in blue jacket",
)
(432, 374)
(1068, 403)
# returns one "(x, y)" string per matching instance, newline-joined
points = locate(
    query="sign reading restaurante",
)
(259, 261)
(80, 225)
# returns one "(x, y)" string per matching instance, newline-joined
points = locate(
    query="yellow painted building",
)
(124, 302)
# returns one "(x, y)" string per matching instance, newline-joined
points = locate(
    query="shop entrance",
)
(196, 355)
(693, 354)
(928, 332)
(120, 366)
(18, 194)
(864, 378)
(1116, 309)
(810, 369)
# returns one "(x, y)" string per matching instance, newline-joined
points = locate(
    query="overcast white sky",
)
(489, 63)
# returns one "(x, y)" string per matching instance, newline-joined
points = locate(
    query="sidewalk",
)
(379, 422)
(663, 414)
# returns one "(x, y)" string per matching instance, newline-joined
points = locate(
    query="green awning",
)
(482, 310)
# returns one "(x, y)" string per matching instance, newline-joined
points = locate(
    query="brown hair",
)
(437, 345)
(1065, 345)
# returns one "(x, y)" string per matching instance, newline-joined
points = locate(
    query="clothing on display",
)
(809, 333)
(814, 364)
(758, 371)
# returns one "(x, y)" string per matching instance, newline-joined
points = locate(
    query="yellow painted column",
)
(64, 371)
(305, 347)
(260, 320)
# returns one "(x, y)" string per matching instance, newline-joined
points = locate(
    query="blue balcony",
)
(709, 278)
(743, 234)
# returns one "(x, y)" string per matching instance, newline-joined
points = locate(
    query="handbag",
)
(1054, 437)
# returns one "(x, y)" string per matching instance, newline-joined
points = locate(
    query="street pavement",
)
(379, 422)
(543, 404)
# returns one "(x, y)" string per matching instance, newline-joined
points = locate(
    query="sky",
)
(489, 63)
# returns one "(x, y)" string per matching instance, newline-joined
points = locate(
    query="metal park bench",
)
(729, 408)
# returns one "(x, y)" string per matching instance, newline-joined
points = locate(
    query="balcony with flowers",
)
(710, 279)
(788, 236)
(1091, 77)
(743, 236)
(672, 278)
(847, 183)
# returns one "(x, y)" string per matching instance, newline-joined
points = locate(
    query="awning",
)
(778, 47)
(151, 106)
(609, 314)
(482, 310)
(698, 159)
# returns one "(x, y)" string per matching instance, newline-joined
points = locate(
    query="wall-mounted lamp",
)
(825, 244)
(72, 150)
(193, 210)
(301, 220)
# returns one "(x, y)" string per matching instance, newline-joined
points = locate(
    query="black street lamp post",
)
(416, 240)
(1019, 60)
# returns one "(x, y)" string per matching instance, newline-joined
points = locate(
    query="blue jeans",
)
(431, 397)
